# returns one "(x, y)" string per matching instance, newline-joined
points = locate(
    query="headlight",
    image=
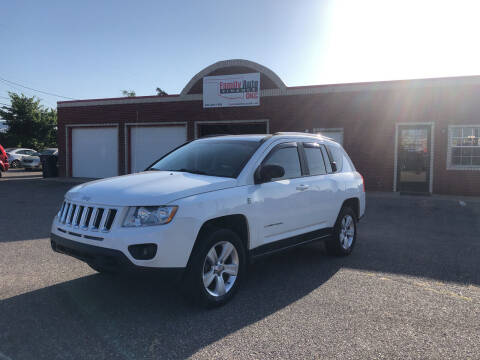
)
(149, 215)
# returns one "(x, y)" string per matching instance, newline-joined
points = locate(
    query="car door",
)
(321, 188)
(21, 154)
(280, 203)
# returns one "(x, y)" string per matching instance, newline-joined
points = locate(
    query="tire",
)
(344, 233)
(15, 164)
(210, 280)
(101, 269)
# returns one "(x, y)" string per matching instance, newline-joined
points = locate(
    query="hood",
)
(147, 188)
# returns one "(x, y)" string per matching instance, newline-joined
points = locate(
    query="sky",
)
(94, 49)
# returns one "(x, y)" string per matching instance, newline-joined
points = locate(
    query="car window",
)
(224, 158)
(327, 159)
(315, 162)
(286, 157)
(337, 155)
(22, 152)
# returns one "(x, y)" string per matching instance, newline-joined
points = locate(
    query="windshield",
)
(48, 152)
(224, 158)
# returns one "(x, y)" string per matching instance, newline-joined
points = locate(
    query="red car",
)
(3, 160)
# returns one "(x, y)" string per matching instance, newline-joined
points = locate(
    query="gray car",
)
(16, 155)
(33, 162)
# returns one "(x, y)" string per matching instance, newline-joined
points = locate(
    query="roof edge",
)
(292, 90)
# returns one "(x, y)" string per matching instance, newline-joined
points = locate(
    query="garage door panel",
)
(94, 152)
(149, 143)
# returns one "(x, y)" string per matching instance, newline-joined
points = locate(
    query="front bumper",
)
(110, 259)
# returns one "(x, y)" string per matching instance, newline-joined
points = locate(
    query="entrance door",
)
(413, 158)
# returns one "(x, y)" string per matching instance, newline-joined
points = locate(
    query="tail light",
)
(363, 182)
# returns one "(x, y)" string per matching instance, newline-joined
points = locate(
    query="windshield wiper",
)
(191, 171)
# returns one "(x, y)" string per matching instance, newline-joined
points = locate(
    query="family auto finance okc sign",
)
(231, 90)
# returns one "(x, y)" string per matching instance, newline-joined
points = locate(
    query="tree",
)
(29, 123)
(160, 92)
(129, 93)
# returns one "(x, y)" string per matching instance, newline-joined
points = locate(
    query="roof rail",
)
(297, 133)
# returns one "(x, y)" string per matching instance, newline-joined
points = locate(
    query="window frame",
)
(295, 144)
(450, 147)
(330, 159)
(308, 144)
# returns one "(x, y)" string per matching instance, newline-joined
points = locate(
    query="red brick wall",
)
(368, 119)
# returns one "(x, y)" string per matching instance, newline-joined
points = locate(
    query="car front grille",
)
(87, 218)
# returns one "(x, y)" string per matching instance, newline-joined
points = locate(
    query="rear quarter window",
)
(337, 155)
(344, 164)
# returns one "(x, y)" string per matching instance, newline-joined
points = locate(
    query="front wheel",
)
(15, 164)
(216, 268)
(344, 234)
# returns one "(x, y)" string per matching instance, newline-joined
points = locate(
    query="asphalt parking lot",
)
(410, 290)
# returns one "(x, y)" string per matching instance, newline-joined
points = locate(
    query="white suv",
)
(206, 209)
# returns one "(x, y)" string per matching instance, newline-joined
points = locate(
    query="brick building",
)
(409, 135)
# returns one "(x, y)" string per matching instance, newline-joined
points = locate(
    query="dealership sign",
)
(231, 90)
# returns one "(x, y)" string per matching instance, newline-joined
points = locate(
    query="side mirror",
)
(334, 166)
(268, 172)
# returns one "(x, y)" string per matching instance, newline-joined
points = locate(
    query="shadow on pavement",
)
(99, 316)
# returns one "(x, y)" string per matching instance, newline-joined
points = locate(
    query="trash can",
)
(49, 166)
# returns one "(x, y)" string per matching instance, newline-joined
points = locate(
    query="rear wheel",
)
(216, 268)
(344, 234)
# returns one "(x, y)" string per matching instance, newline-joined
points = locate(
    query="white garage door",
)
(94, 152)
(148, 143)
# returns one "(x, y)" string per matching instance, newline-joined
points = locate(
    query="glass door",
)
(413, 158)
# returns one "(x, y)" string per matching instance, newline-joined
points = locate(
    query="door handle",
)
(302, 187)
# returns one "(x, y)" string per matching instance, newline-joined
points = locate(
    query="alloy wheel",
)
(220, 268)
(347, 232)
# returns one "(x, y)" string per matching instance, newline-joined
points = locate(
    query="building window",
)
(334, 133)
(464, 148)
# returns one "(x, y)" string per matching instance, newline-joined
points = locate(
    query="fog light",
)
(143, 251)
